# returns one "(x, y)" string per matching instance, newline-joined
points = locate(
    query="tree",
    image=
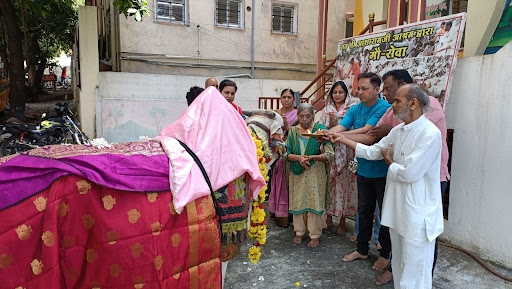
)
(115, 113)
(36, 31)
(158, 113)
(46, 38)
(12, 56)
(33, 31)
(137, 9)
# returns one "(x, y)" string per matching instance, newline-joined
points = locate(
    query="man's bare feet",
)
(381, 264)
(354, 256)
(383, 278)
(378, 246)
(314, 243)
(353, 238)
(297, 239)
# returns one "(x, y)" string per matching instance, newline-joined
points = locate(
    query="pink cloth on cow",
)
(212, 129)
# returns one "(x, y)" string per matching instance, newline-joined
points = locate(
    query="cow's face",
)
(267, 124)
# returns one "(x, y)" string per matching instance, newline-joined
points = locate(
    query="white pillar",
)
(88, 73)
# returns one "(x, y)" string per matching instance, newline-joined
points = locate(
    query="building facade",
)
(217, 37)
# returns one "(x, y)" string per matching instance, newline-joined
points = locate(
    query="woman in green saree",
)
(308, 176)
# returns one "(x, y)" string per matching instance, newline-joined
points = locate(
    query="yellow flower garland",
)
(258, 230)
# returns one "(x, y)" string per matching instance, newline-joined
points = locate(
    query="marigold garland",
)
(258, 230)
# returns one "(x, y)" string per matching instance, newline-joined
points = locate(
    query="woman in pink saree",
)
(278, 200)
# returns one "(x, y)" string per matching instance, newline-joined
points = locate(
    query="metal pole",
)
(199, 43)
(252, 37)
(319, 46)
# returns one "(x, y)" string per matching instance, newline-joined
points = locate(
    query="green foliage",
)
(138, 9)
(48, 27)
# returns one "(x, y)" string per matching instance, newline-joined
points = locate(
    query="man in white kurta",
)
(412, 207)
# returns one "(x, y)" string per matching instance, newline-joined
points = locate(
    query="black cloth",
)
(370, 190)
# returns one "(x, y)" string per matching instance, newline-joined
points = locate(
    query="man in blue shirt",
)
(371, 175)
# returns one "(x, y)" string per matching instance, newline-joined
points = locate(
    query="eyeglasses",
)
(306, 116)
(364, 88)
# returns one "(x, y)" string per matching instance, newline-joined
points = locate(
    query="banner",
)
(428, 50)
(436, 8)
(503, 33)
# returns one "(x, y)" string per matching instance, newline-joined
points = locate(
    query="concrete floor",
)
(284, 263)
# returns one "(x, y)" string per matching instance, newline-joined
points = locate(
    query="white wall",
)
(233, 44)
(156, 47)
(127, 102)
(480, 112)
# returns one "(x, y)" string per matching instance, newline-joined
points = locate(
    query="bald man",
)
(211, 82)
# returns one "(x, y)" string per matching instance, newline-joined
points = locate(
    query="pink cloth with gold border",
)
(78, 234)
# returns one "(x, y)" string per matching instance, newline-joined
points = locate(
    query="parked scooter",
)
(60, 129)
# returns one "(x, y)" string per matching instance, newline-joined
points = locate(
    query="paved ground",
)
(284, 263)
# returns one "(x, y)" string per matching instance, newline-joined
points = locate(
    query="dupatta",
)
(293, 147)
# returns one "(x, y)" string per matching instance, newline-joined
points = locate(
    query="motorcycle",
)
(60, 129)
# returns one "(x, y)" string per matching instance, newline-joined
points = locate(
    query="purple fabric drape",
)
(141, 166)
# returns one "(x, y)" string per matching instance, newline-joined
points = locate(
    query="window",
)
(284, 19)
(349, 28)
(172, 11)
(459, 6)
(228, 13)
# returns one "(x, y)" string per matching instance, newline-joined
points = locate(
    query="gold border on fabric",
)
(148, 148)
(194, 244)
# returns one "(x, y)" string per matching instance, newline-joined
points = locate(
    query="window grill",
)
(283, 19)
(228, 13)
(459, 6)
(172, 11)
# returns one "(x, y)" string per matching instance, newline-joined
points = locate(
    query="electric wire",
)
(234, 42)
(480, 261)
(225, 39)
(255, 28)
(270, 31)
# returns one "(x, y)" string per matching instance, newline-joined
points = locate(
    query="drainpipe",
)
(324, 47)
(252, 37)
(198, 43)
(319, 47)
